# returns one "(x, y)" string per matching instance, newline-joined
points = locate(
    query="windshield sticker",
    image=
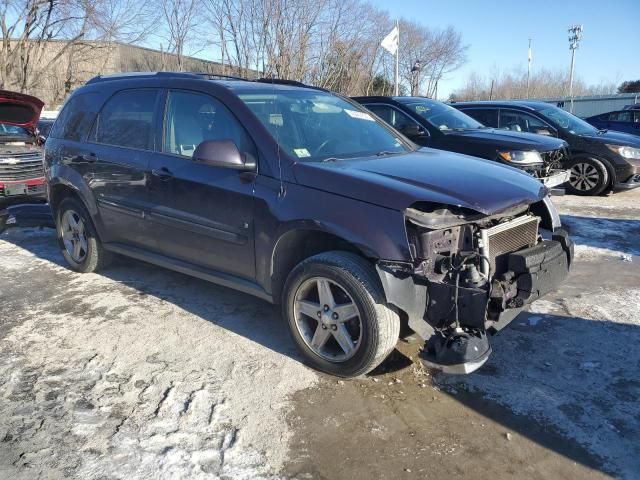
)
(359, 115)
(276, 119)
(301, 152)
(421, 109)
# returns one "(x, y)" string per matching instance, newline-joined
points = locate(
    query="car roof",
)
(236, 84)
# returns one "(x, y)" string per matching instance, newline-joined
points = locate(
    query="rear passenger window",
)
(486, 116)
(76, 118)
(621, 116)
(127, 120)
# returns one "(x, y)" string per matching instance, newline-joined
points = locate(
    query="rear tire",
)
(589, 176)
(337, 314)
(77, 237)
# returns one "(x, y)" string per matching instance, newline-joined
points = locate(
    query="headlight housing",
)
(626, 152)
(520, 157)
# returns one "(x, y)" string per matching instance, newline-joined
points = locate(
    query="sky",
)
(497, 33)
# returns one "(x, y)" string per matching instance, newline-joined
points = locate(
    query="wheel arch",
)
(295, 245)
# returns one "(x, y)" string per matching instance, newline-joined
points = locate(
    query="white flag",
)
(390, 42)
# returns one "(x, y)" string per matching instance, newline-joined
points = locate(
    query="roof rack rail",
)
(126, 75)
(283, 81)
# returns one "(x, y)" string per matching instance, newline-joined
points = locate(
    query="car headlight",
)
(626, 152)
(521, 157)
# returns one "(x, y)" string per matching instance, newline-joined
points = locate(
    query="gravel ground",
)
(140, 373)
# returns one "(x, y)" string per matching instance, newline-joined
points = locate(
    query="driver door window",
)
(393, 117)
(192, 118)
(522, 122)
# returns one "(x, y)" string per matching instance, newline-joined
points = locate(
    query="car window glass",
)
(312, 125)
(441, 116)
(192, 118)
(126, 120)
(75, 119)
(621, 116)
(636, 117)
(7, 129)
(392, 116)
(486, 116)
(521, 122)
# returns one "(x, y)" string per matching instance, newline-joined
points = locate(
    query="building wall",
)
(595, 105)
(53, 78)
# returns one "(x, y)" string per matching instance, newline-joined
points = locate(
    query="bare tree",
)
(180, 20)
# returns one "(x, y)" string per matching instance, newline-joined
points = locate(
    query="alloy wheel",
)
(584, 177)
(327, 319)
(74, 235)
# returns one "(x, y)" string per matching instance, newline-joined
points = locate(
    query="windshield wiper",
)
(603, 131)
(382, 153)
(329, 159)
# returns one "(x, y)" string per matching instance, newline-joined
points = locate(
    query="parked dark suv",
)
(301, 197)
(434, 124)
(601, 160)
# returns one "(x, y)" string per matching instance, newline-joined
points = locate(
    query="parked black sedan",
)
(601, 160)
(434, 124)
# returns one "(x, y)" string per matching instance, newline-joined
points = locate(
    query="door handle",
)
(163, 173)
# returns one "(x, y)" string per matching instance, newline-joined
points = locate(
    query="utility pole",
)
(529, 68)
(575, 35)
(397, 90)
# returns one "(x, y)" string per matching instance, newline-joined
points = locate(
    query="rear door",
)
(118, 152)
(202, 214)
(486, 116)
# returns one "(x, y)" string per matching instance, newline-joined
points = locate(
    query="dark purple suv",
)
(301, 197)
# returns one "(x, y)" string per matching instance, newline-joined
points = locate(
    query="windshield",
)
(315, 126)
(6, 129)
(441, 116)
(563, 119)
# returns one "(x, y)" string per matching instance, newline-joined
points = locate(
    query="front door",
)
(202, 214)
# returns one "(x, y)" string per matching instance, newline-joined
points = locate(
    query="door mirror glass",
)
(224, 154)
(413, 130)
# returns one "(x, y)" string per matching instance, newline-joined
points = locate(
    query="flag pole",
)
(528, 68)
(397, 55)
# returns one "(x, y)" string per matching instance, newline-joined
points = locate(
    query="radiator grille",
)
(21, 166)
(506, 238)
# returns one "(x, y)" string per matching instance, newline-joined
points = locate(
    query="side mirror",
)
(223, 154)
(413, 130)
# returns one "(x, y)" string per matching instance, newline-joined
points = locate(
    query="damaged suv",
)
(302, 198)
(21, 174)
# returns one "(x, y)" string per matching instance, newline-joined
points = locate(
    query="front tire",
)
(78, 240)
(589, 176)
(337, 314)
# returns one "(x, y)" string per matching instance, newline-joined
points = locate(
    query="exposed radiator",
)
(501, 240)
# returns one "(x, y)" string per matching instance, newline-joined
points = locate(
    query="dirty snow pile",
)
(138, 373)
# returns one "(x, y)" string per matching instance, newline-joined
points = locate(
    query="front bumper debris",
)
(532, 273)
(556, 178)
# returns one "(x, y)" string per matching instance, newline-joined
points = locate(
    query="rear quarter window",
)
(75, 119)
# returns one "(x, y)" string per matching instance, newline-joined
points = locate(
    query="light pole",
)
(575, 35)
(528, 68)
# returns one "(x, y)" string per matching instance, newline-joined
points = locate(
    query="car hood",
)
(427, 175)
(20, 109)
(509, 139)
(616, 138)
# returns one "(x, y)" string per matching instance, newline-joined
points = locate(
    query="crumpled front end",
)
(472, 274)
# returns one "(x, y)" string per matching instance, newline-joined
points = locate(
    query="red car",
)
(21, 170)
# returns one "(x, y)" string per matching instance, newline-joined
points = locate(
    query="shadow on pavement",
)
(574, 376)
(611, 233)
